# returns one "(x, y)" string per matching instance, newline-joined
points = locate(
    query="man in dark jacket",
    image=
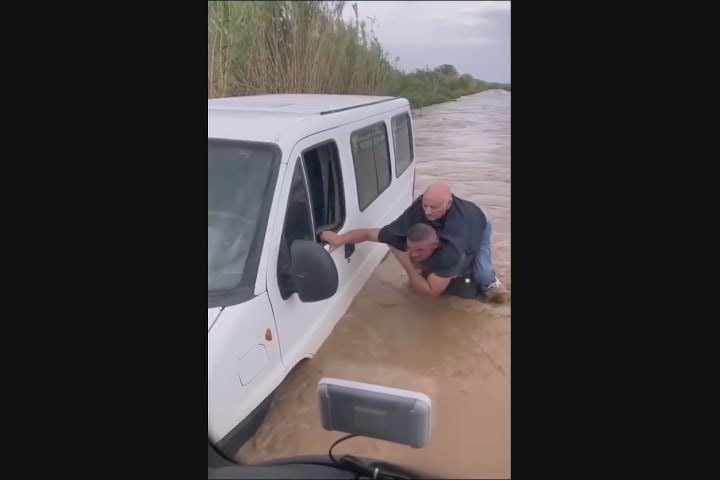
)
(454, 252)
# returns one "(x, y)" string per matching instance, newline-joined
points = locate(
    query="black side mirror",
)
(314, 274)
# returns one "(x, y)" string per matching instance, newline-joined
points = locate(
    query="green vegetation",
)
(444, 83)
(306, 47)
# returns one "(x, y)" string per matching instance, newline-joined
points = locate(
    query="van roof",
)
(267, 118)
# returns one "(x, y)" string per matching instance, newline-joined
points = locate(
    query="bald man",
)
(457, 259)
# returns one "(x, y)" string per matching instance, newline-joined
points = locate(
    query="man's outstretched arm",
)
(351, 238)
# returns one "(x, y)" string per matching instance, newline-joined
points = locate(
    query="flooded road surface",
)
(455, 351)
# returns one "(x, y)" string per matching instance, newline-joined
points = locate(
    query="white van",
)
(281, 170)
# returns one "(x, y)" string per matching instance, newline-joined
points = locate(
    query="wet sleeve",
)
(388, 237)
(395, 234)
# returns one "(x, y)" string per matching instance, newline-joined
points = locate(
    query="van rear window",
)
(403, 143)
(371, 157)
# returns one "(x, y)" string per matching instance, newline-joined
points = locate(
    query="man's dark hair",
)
(421, 233)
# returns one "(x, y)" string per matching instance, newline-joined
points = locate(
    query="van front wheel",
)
(231, 443)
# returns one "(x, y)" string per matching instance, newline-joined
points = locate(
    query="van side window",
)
(298, 226)
(403, 143)
(322, 165)
(371, 157)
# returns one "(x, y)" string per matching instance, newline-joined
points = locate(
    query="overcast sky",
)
(473, 36)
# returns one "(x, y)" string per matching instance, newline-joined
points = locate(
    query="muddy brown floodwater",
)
(455, 351)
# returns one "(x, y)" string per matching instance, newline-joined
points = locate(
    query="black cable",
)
(347, 437)
(362, 469)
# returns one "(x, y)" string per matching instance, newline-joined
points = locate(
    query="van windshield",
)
(241, 183)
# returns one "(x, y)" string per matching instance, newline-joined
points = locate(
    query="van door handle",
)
(349, 250)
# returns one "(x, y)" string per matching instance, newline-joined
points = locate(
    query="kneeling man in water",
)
(442, 241)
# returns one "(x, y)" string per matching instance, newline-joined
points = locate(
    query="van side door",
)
(312, 200)
(380, 188)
